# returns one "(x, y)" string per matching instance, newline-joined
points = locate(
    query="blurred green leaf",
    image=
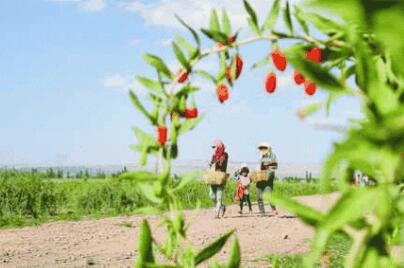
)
(186, 179)
(143, 137)
(147, 211)
(145, 247)
(189, 124)
(193, 32)
(287, 18)
(188, 259)
(254, 27)
(300, 17)
(272, 17)
(323, 24)
(148, 191)
(214, 21)
(152, 84)
(181, 57)
(159, 64)
(139, 176)
(186, 90)
(235, 255)
(351, 206)
(155, 265)
(216, 36)
(309, 109)
(206, 75)
(311, 70)
(261, 63)
(387, 27)
(305, 213)
(222, 69)
(213, 248)
(140, 107)
(251, 13)
(192, 51)
(226, 23)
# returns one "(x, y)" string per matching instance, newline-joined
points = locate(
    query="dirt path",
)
(106, 243)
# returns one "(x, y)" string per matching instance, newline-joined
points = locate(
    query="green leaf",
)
(152, 84)
(235, 255)
(214, 21)
(139, 176)
(309, 109)
(305, 213)
(215, 36)
(147, 211)
(251, 12)
(261, 63)
(188, 125)
(226, 23)
(186, 179)
(186, 90)
(253, 26)
(386, 27)
(222, 68)
(181, 57)
(352, 206)
(184, 43)
(212, 249)
(159, 64)
(312, 70)
(193, 32)
(301, 19)
(140, 107)
(287, 18)
(206, 75)
(145, 247)
(272, 17)
(323, 24)
(155, 265)
(148, 191)
(143, 137)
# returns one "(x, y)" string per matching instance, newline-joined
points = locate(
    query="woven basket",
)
(214, 177)
(257, 176)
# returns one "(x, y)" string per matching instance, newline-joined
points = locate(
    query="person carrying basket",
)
(268, 163)
(218, 163)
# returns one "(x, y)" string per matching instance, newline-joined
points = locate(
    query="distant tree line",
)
(54, 173)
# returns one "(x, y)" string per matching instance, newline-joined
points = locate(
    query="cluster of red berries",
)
(162, 131)
(222, 91)
(279, 61)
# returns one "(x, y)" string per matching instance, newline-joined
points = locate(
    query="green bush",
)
(28, 198)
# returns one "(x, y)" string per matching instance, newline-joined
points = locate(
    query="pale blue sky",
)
(66, 65)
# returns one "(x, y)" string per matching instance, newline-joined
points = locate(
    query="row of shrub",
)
(27, 198)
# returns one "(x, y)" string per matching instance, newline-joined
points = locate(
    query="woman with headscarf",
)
(268, 163)
(219, 161)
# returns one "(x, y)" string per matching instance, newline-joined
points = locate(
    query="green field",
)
(27, 198)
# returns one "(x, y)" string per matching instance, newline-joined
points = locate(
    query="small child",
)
(244, 182)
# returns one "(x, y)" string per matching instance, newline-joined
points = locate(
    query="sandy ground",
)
(107, 243)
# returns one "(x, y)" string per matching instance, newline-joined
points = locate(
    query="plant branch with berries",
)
(343, 52)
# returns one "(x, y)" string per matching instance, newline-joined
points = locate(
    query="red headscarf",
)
(220, 149)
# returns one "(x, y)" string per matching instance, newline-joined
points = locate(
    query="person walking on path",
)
(244, 183)
(237, 173)
(219, 160)
(268, 162)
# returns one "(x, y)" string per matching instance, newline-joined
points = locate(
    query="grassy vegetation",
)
(28, 198)
(333, 257)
